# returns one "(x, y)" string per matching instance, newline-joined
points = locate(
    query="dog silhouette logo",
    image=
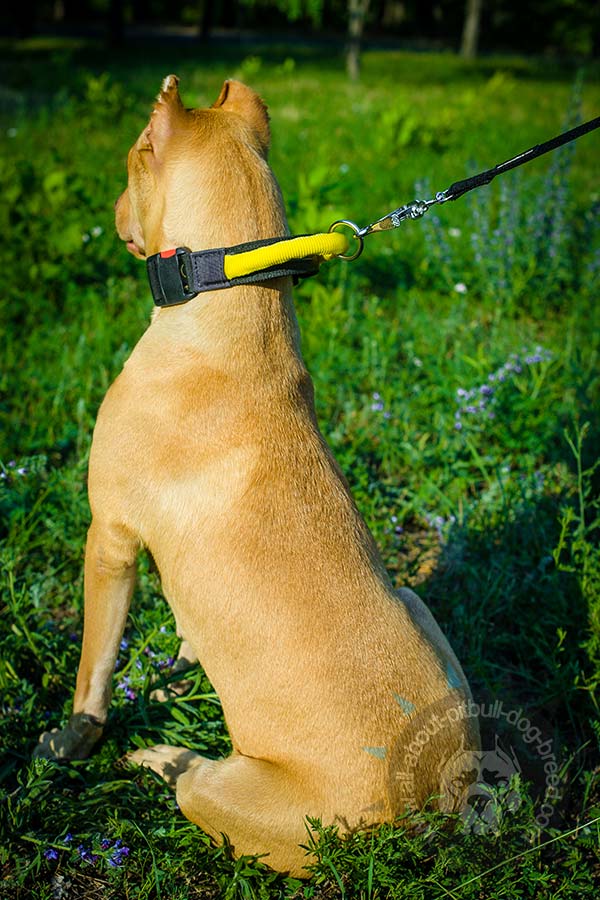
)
(491, 794)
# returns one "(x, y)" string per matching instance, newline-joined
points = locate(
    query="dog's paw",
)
(75, 741)
(177, 687)
(172, 690)
(168, 762)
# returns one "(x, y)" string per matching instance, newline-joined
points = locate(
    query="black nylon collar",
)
(177, 276)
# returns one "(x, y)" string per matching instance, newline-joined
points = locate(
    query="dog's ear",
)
(235, 97)
(167, 115)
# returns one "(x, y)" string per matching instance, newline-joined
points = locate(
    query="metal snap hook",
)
(355, 234)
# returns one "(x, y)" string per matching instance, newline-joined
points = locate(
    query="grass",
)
(486, 500)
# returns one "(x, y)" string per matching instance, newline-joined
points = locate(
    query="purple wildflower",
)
(485, 393)
(87, 855)
(50, 853)
(398, 529)
(440, 524)
(118, 853)
(164, 663)
(123, 685)
(378, 405)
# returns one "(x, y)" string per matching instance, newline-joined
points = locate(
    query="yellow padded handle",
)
(324, 245)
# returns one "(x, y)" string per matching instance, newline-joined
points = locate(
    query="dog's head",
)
(199, 177)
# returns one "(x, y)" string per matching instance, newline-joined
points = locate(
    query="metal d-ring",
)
(355, 234)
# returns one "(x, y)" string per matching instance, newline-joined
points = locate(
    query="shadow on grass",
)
(517, 625)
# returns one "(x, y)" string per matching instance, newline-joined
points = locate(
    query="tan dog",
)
(342, 698)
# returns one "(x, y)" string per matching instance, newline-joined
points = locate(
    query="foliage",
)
(455, 366)
(523, 247)
(569, 27)
(577, 552)
(292, 9)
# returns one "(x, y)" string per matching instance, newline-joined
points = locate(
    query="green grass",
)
(495, 522)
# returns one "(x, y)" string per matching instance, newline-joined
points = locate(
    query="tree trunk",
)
(357, 13)
(470, 35)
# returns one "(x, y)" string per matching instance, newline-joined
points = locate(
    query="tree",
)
(357, 14)
(470, 35)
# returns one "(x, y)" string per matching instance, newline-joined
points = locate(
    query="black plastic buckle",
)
(169, 278)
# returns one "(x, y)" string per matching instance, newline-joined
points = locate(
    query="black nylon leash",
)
(418, 208)
(459, 188)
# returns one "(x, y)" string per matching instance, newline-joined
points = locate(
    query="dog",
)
(342, 697)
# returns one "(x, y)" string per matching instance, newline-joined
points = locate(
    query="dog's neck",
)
(253, 324)
(226, 326)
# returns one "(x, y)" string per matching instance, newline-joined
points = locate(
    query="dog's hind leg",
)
(185, 660)
(186, 657)
(254, 802)
(258, 806)
(110, 556)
